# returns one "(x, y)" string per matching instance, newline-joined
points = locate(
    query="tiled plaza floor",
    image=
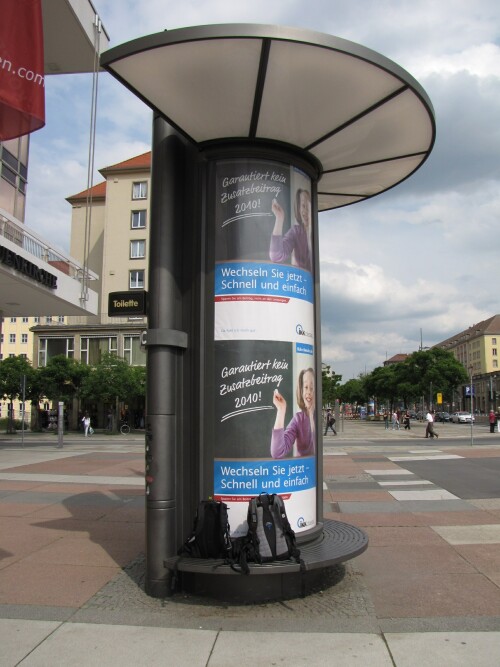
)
(72, 563)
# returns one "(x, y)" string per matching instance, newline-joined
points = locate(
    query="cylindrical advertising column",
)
(266, 426)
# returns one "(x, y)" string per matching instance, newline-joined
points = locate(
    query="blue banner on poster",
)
(263, 278)
(242, 477)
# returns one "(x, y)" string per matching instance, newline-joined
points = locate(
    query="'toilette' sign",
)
(127, 303)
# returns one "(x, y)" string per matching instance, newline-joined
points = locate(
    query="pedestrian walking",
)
(429, 431)
(86, 423)
(406, 421)
(492, 418)
(330, 422)
(385, 417)
(395, 421)
(110, 420)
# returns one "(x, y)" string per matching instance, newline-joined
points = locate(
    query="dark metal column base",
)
(280, 580)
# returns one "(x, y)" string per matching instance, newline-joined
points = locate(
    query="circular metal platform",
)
(279, 580)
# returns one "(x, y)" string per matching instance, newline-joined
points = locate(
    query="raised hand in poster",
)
(293, 247)
(300, 430)
(245, 190)
(246, 372)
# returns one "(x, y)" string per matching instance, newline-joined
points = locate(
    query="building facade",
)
(477, 349)
(117, 238)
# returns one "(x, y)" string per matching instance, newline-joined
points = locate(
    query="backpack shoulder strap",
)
(225, 529)
(287, 530)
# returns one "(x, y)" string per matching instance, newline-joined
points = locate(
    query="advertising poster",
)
(264, 340)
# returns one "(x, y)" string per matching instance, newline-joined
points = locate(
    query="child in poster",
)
(301, 429)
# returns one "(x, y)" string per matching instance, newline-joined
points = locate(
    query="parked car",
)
(462, 417)
(443, 417)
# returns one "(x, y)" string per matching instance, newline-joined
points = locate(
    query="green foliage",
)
(409, 380)
(12, 371)
(138, 381)
(64, 379)
(7, 425)
(353, 391)
(383, 383)
(330, 383)
(112, 378)
(435, 366)
(61, 379)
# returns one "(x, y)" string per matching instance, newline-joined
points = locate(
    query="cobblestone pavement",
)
(72, 558)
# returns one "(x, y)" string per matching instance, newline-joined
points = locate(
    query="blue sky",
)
(421, 259)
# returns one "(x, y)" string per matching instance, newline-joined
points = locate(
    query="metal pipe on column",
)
(165, 344)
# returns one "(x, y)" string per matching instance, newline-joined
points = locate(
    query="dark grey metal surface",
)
(164, 360)
(337, 543)
(280, 580)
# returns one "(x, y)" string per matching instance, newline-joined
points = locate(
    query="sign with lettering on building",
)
(22, 265)
(127, 303)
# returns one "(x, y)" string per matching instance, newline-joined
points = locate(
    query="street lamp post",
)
(471, 407)
(493, 380)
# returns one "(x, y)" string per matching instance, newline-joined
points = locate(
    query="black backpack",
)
(270, 536)
(210, 537)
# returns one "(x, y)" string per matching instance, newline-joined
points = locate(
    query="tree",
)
(62, 378)
(432, 371)
(108, 380)
(138, 381)
(112, 380)
(12, 372)
(330, 383)
(353, 391)
(383, 383)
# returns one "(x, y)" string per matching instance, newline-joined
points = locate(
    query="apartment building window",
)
(137, 249)
(60, 319)
(494, 351)
(92, 349)
(53, 347)
(1, 338)
(138, 219)
(13, 320)
(12, 338)
(9, 175)
(24, 338)
(133, 352)
(495, 363)
(26, 320)
(13, 170)
(140, 190)
(136, 279)
(48, 319)
(23, 356)
(493, 341)
(36, 320)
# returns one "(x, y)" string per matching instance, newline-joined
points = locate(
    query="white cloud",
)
(482, 60)
(423, 256)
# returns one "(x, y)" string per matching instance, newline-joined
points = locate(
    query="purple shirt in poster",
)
(295, 239)
(298, 430)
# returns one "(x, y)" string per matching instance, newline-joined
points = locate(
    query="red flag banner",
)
(22, 93)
